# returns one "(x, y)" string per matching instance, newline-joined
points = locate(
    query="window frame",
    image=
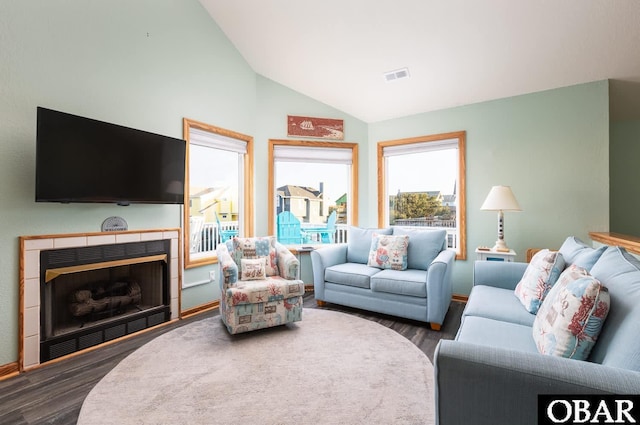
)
(247, 207)
(352, 204)
(383, 219)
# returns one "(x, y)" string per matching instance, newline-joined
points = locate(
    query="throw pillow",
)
(253, 269)
(541, 273)
(359, 243)
(264, 247)
(388, 252)
(572, 315)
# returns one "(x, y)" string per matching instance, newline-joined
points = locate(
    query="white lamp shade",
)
(501, 198)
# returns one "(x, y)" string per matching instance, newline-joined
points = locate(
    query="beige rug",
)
(330, 368)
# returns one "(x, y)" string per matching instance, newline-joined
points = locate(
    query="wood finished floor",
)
(54, 393)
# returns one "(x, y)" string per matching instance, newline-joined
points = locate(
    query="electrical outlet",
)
(212, 275)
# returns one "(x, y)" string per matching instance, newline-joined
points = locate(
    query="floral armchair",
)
(258, 284)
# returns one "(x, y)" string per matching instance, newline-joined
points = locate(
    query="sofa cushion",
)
(351, 274)
(542, 272)
(388, 252)
(570, 318)
(406, 282)
(359, 243)
(252, 269)
(577, 252)
(424, 245)
(263, 247)
(495, 333)
(618, 344)
(498, 304)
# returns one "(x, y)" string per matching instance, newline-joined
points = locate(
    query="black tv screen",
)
(85, 160)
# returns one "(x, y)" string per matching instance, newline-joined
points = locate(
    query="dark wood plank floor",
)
(54, 393)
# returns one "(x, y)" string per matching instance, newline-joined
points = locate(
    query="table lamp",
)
(500, 199)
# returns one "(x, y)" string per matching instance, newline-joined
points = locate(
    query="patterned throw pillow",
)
(250, 248)
(388, 252)
(253, 269)
(541, 274)
(572, 315)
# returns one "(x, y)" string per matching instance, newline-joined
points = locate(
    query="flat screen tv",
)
(85, 160)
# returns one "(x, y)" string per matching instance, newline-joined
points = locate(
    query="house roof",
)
(457, 52)
(299, 192)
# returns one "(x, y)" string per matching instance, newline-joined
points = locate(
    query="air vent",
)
(398, 74)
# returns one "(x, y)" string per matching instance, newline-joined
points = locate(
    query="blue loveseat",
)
(341, 275)
(492, 373)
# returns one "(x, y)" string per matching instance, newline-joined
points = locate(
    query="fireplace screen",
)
(88, 298)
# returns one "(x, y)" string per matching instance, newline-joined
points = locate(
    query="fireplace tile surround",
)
(30, 299)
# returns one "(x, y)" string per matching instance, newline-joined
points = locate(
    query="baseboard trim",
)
(200, 309)
(460, 298)
(8, 370)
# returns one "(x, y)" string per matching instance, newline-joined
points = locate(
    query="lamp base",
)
(500, 246)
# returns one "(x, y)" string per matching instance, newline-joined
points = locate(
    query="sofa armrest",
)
(321, 258)
(486, 385)
(500, 274)
(288, 264)
(228, 268)
(439, 286)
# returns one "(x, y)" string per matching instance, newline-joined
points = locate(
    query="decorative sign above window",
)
(320, 128)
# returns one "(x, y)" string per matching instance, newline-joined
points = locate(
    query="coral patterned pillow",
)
(251, 248)
(253, 269)
(571, 317)
(541, 274)
(388, 252)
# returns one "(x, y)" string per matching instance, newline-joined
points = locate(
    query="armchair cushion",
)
(388, 252)
(257, 248)
(570, 319)
(541, 274)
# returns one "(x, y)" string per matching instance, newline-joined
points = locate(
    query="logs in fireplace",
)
(105, 299)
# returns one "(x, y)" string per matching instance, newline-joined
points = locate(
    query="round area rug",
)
(330, 368)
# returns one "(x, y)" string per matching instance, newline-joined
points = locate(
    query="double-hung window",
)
(421, 184)
(218, 183)
(313, 184)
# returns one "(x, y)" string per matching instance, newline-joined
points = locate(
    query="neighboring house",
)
(207, 202)
(341, 209)
(306, 203)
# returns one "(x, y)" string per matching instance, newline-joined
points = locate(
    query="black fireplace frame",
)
(92, 335)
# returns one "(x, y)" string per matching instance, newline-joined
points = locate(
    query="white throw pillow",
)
(253, 269)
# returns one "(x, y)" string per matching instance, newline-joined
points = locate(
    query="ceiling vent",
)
(398, 74)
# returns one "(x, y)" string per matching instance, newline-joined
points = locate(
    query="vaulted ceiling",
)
(457, 51)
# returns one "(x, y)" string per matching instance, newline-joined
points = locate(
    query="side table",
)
(491, 255)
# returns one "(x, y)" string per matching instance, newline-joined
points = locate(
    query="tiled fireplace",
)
(79, 291)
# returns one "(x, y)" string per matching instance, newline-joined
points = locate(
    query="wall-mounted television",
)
(80, 159)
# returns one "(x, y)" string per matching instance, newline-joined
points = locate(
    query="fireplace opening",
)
(91, 295)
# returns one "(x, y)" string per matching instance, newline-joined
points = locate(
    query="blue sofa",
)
(492, 373)
(420, 292)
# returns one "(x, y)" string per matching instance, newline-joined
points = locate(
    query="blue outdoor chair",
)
(289, 229)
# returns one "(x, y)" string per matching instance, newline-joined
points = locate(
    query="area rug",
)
(330, 368)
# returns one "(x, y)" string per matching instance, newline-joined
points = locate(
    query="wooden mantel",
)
(630, 243)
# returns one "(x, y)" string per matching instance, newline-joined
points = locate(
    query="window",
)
(421, 182)
(316, 182)
(218, 183)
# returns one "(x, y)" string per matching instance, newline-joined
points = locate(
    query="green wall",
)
(625, 175)
(145, 64)
(551, 147)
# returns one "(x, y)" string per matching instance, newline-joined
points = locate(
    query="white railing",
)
(209, 237)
